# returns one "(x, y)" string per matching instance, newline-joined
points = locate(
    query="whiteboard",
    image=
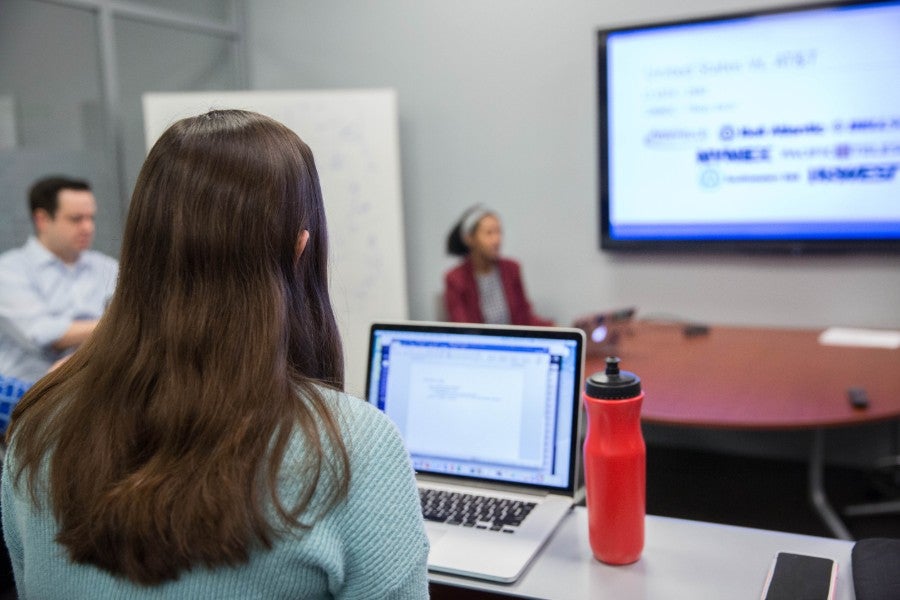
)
(354, 138)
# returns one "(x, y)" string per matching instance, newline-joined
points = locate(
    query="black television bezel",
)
(699, 245)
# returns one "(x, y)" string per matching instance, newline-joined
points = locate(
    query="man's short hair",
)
(44, 193)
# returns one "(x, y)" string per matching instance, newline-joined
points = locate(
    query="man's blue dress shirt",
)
(40, 297)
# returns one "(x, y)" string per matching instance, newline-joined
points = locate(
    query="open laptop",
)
(485, 411)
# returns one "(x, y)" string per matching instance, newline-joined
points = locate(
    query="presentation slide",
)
(767, 120)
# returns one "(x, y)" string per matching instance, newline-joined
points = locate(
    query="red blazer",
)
(461, 295)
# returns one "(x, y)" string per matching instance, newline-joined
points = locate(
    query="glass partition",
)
(72, 76)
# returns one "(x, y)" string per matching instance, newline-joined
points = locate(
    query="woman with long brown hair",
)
(198, 444)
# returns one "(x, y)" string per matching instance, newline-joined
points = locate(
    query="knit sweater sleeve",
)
(372, 544)
(10, 525)
(385, 549)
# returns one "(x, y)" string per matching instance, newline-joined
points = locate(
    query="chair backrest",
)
(11, 391)
(13, 388)
(875, 574)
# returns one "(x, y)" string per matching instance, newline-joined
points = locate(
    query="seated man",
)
(53, 289)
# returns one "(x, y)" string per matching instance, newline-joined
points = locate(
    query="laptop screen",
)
(482, 402)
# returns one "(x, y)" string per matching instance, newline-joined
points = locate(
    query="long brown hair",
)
(166, 431)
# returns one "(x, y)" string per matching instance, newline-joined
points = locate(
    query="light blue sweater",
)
(372, 545)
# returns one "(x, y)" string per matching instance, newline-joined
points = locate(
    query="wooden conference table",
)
(759, 378)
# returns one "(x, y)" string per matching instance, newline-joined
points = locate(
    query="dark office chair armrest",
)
(876, 569)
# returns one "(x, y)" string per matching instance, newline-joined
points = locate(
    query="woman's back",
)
(370, 546)
(198, 433)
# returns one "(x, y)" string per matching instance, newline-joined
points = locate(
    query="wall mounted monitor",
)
(771, 131)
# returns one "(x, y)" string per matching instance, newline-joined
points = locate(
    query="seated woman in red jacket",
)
(484, 288)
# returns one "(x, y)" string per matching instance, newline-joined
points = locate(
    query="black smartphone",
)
(800, 577)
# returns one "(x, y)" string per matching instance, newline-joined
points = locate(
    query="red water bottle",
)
(615, 465)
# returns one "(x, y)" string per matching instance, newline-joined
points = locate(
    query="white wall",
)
(497, 105)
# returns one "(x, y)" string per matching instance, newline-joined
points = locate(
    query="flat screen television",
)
(772, 131)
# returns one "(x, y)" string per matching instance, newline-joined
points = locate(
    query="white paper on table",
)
(867, 338)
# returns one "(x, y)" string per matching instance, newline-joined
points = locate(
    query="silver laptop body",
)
(484, 410)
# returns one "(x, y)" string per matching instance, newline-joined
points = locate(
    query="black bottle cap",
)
(613, 384)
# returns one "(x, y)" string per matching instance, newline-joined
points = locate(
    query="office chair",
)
(886, 474)
(875, 573)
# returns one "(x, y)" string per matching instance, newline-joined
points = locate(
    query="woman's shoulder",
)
(363, 426)
(373, 445)
(508, 265)
(462, 269)
(378, 456)
(507, 262)
(350, 408)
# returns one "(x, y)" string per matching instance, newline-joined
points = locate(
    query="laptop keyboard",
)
(470, 510)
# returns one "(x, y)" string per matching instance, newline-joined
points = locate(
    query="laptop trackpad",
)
(478, 553)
